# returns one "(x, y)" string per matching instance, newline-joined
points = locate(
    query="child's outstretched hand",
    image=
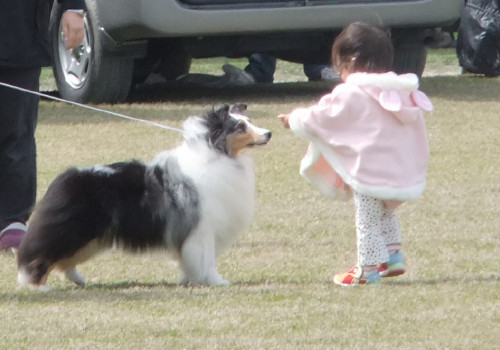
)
(284, 120)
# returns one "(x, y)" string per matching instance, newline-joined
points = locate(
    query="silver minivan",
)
(127, 40)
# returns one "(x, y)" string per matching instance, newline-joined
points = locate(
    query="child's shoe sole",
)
(392, 271)
(394, 267)
(353, 278)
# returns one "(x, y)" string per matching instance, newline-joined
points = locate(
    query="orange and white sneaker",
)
(355, 277)
(394, 267)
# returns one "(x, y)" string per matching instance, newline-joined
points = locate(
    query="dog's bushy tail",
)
(55, 229)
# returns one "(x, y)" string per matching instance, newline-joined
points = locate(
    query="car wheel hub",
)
(75, 63)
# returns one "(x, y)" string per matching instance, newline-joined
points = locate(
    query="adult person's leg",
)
(18, 119)
(317, 72)
(261, 67)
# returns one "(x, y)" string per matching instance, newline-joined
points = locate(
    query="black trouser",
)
(261, 67)
(18, 118)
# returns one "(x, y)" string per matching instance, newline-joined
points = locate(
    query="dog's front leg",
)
(198, 261)
(73, 275)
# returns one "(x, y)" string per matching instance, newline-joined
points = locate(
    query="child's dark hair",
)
(362, 48)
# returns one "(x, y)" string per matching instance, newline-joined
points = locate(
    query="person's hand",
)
(73, 29)
(284, 120)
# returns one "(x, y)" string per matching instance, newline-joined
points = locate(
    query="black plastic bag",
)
(478, 41)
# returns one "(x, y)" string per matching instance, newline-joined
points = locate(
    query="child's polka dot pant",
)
(376, 227)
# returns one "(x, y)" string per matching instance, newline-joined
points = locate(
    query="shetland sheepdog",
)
(193, 201)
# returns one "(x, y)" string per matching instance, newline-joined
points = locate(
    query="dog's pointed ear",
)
(238, 108)
(223, 108)
(222, 112)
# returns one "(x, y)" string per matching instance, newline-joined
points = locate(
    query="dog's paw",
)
(184, 281)
(217, 280)
(74, 276)
(223, 282)
(41, 288)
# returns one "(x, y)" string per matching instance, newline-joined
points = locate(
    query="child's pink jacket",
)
(369, 135)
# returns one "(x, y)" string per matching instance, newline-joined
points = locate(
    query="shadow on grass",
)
(462, 88)
(131, 285)
(149, 291)
(172, 92)
(459, 88)
(289, 282)
(279, 92)
(145, 102)
(162, 290)
(441, 280)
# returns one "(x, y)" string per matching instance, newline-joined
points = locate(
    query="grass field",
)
(281, 296)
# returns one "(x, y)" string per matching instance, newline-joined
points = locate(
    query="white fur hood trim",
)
(385, 81)
(396, 93)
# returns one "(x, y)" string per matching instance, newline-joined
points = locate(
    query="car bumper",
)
(127, 20)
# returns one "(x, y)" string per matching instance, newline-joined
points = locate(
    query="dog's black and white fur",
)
(193, 201)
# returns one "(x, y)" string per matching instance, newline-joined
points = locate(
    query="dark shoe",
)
(235, 76)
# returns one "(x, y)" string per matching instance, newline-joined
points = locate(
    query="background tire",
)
(410, 51)
(410, 58)
(86, 74)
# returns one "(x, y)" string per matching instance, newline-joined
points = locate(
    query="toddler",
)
(368, 141)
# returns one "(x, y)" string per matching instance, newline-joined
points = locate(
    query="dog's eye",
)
(240, 128)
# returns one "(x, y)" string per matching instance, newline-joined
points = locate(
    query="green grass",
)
(281, 296)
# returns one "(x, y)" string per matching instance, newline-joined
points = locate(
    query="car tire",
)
(410, 58)
(86, 74)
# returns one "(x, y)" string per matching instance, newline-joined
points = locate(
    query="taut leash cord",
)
(119, 115)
